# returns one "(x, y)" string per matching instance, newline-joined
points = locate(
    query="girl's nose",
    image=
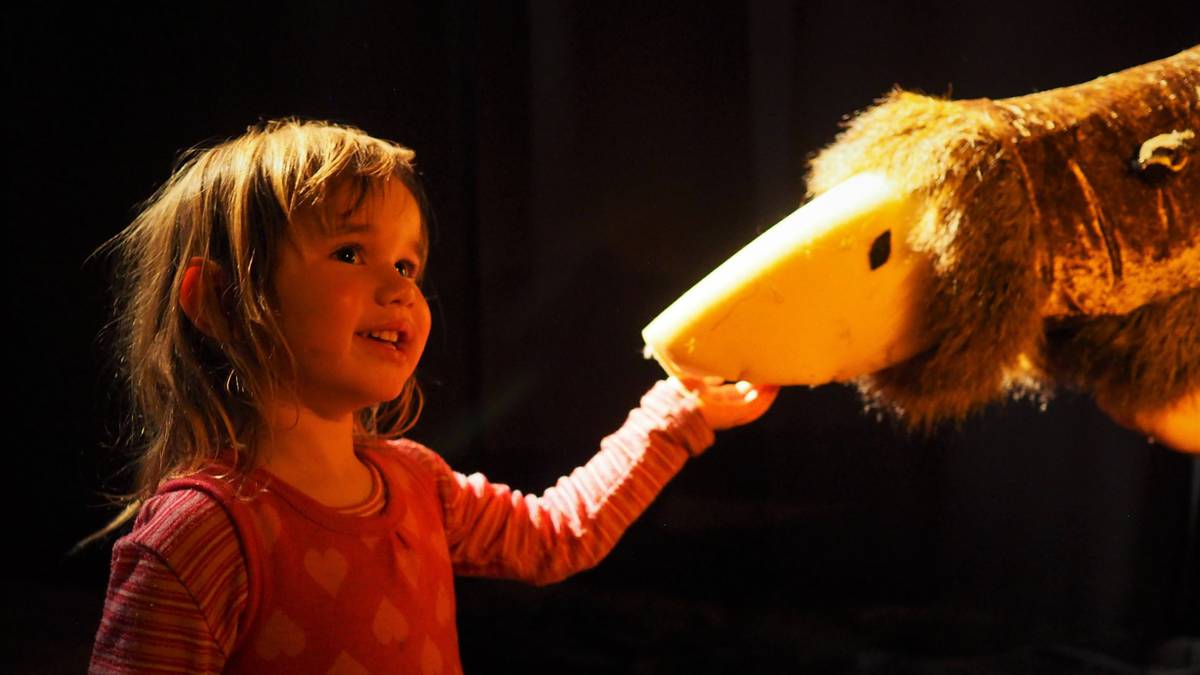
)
(398, 290)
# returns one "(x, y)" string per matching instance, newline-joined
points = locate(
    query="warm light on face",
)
(348, 301)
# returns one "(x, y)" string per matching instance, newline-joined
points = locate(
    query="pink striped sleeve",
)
(177, 587)
(496, 531)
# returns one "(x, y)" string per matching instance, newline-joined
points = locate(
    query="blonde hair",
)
(193, 397)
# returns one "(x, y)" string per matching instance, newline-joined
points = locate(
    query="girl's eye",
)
(348, 254)
(407, 268)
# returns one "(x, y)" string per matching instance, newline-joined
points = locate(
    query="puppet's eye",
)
(881, 249)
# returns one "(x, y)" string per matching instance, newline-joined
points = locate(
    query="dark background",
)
(588, 162)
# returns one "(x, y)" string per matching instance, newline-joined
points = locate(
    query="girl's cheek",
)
(426, 316)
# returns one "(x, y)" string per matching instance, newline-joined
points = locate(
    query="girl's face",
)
(348, 302)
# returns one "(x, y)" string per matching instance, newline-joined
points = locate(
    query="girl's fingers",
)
(731, 404)
(736, 404)
(760, 400)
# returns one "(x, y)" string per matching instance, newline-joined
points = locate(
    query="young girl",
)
(272, 319)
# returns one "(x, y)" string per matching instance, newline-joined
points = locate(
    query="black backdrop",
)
(588, 162)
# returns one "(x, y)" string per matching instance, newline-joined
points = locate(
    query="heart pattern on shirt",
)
(389, 624)
(327, 568)
(279, 634)
(345, 664)
(431, 658)
(443, 607)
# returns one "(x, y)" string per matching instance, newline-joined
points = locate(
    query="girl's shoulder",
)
(181, 566)
(210, 505)
(176, 524)
(412, 457)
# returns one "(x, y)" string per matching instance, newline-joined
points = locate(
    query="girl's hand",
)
(725, 406)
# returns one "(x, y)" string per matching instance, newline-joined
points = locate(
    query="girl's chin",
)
(390, 395)
(347, 404)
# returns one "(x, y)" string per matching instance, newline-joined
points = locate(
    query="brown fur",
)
(1147, 358)
(1034, 218)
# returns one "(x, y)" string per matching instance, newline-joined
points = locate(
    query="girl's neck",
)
(315, 455)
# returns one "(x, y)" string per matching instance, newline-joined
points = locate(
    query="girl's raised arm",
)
(493, 530)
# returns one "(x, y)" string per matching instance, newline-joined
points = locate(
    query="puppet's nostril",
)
(881, 249)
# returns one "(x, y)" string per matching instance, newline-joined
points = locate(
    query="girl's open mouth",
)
(390, 338)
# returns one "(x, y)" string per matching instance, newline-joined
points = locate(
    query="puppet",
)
(958, 252)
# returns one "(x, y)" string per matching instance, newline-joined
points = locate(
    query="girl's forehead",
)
(350, 199)
(351, 203)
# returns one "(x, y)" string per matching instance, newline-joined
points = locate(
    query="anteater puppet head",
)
(1022, 244)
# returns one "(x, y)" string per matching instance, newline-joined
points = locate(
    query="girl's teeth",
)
(385, 335)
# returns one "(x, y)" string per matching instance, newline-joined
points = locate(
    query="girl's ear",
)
(199, 296)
